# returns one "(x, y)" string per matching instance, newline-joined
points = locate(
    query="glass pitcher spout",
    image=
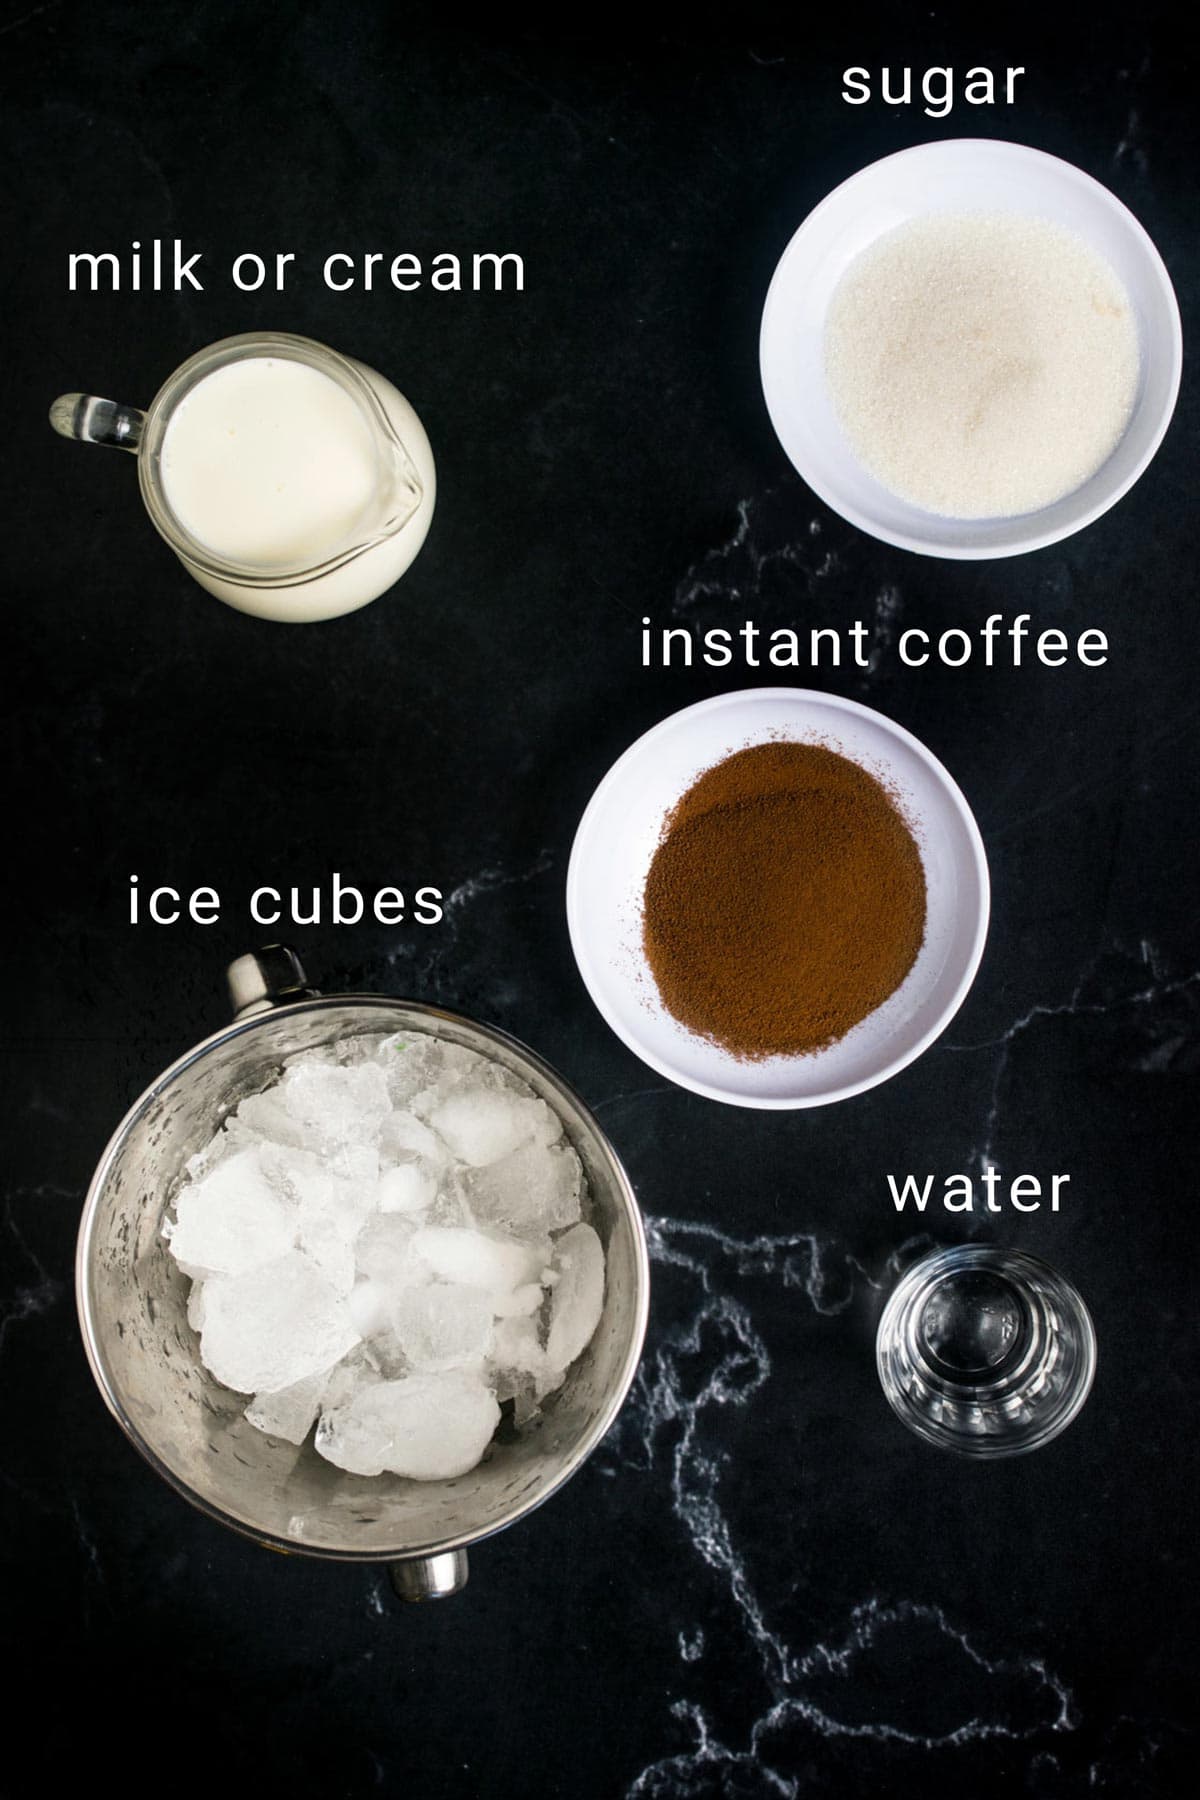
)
(404, 490)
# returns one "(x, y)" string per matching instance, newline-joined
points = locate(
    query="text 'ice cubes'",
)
(388, 1243)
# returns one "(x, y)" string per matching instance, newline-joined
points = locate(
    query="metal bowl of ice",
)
(240, 1235)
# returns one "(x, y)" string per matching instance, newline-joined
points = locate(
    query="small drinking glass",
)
(986, 1351)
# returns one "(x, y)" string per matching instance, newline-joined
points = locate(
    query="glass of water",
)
(986, 1351)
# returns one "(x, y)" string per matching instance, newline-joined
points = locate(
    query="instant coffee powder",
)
(785, 901)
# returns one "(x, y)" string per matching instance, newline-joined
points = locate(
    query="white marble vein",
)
(1138, 994)
(488, 880)
(26, 18)
(39, 1290)
(1131, 148)
(885, 625)
(734, 570)
(87, 1543)
(424, 951)
(717, 1359)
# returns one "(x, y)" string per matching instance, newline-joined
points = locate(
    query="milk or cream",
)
(268, 461)
(272, 466)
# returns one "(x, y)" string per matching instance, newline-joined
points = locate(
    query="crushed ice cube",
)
(336, 1104)
(478, 1259)
(233, 1219)
(519, 1366)
(402, 1136)
(577, 1298)
(384, 1252)
(441, 1327)
(363, 1048)
(273, 1326)
(482, 1124)
(266, 1116)
(291, 1413)
(357, 1163)
(195, 1305)
(408, 1188)
(331, 1248)
(229, 1139)
(369, 1304)
(417, 1064)
(534, 1188)
(329, 1209)
(388, 1357)
(450, 1206)
(410, 1061)
(429, 1427)
(520, 1302)
(516, 1347)
(358, 1370)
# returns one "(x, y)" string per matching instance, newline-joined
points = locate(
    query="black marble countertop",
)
(761, 1584)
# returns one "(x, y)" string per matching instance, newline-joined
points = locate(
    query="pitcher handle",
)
(91, 420)
(272, 976)
(429, 1577)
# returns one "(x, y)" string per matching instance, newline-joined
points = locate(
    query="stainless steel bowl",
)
(145, 1356)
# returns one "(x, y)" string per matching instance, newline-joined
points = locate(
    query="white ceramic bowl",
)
(958, 175)
(616, 841)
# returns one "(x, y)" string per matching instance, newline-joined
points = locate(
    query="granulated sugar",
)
(982, 365)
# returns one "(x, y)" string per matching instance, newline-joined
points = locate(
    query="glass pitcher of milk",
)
(291, 481)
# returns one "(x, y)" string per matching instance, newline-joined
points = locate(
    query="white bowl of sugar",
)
(971, 349)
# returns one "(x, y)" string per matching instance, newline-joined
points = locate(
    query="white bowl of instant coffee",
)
(778, 898)
(971, 349)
